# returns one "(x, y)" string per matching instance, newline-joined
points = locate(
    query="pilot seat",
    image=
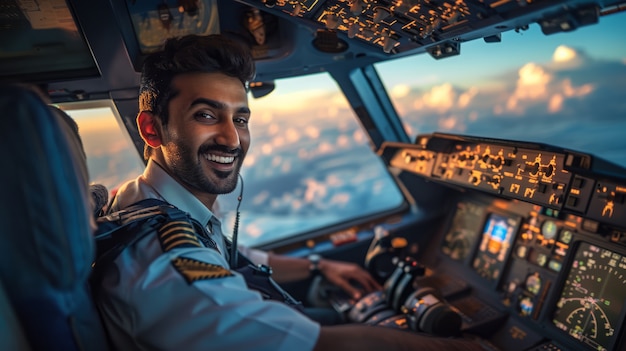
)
(46, 246)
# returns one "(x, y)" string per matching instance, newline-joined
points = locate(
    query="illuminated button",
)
(399, 242)
(555, 265)
(526, 306)
(511, 287)
(542, 259)
(566, 236)
(549, 229)
(532, 169)
(533, 284)
(522, 251)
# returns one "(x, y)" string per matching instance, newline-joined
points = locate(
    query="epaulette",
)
(121, 229)
(177, 234)
(193, 270)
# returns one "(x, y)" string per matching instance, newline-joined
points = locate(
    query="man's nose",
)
(228, 135)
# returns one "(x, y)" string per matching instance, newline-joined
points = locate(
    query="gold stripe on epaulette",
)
(177, 234)
(180, 225)
(181, 243)
(194, 270)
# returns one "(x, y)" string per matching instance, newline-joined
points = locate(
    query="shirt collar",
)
(174, 193)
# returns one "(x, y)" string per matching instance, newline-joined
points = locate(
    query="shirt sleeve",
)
(185, 299)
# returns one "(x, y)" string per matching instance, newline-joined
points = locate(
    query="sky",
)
(604, 40)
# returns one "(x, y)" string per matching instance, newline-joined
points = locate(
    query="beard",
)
(187, 167)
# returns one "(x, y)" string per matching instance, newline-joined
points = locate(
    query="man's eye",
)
(241, 120)
(203, 115)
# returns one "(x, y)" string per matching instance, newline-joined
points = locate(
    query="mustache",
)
(205, 149)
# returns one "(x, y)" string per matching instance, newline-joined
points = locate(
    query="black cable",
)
(233, 247)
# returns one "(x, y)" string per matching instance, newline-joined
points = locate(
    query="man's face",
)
(207, 135)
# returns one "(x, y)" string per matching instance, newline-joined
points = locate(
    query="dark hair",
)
(188, 54)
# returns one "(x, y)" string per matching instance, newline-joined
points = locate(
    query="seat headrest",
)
(45, 211)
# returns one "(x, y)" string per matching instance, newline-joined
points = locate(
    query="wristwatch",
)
(314, 264)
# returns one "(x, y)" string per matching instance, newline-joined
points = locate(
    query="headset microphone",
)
(233, 247)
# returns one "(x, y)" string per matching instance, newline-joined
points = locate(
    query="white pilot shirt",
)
(187, 298)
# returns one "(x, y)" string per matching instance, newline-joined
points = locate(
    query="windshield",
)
(565, 89)
(309, 166)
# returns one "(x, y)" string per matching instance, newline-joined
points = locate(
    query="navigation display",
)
(463, 234)
(591, 306)
(495, 245)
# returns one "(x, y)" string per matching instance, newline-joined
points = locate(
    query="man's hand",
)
(349, 277)
(346, 275)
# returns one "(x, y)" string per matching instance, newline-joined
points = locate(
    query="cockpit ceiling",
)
(433, 26)
(57, 42)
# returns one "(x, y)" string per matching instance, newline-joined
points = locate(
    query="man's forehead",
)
(207, 83)
(213, 86)
(205, 79)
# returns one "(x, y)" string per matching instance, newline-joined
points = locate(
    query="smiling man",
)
(180, 293)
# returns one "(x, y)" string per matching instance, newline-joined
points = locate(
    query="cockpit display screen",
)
(463, 234)
(498, 234)
(591, 306)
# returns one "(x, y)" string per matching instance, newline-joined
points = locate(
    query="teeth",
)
(220, 159)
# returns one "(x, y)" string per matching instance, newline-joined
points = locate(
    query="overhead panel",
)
(433, 26)
(157, 20)
(42, 41)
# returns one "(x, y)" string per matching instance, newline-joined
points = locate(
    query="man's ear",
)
(148, 129)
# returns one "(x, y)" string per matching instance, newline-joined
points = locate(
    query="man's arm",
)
(288, 269)
(363, 337)
(341, 274)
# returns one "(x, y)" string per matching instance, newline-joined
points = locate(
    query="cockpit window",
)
(111, 155)
(566, 89)
(309, 165)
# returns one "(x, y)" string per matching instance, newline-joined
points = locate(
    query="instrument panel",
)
(524, 269)
(553, 276)
(537, 173)
(592, 297)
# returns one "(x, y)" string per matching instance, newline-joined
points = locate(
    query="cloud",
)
(466, 97)
(540, 84)
(548, 87)
(531, 85)
(399, 91)
(565, 57)
(440, 97)
(564, 54)
(451, 122)
(571, 87)
(556, 103)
